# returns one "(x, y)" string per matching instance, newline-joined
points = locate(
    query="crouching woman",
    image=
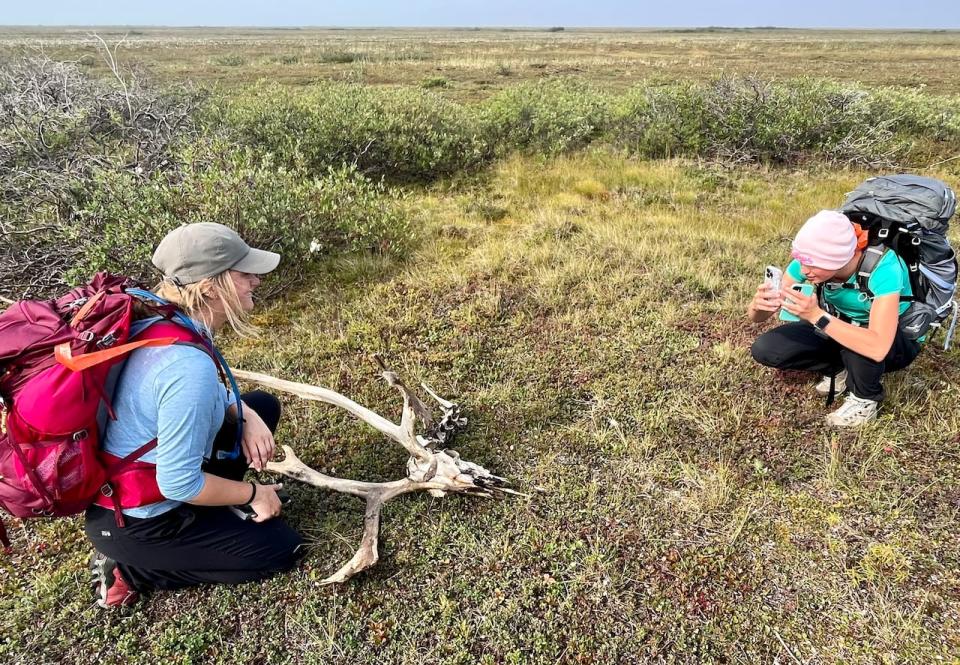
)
(175, 526)
(854, 353)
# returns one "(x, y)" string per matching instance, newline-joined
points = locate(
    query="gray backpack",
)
(909, 214)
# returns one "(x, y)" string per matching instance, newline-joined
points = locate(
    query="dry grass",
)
(476, 62)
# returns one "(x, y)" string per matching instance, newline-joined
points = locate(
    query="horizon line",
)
(539, 28)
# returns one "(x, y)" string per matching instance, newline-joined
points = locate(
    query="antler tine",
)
(366, 554)
(413, 408)
(446, 404)
(420, 410)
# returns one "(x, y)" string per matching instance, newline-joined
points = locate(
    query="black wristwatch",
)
(823, 321)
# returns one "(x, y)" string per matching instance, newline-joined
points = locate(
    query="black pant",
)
(800, 346)
(193, 545)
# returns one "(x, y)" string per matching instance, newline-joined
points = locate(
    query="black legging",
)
(193, 545)
(800, 346)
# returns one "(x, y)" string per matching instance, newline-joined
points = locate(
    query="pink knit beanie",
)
(827, 240)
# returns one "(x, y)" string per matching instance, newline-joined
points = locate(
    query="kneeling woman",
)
(827, 252)
(186, 534)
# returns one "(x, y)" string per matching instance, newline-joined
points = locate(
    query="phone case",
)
(805, 289)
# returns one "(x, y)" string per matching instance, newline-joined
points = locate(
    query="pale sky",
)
(937, 14)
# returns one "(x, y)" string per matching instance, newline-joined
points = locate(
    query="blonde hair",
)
(195, 301)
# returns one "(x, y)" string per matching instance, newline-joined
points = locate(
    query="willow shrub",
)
(402, 134)
(545, 117)
(409, 134)
(120, 218)
(748, 120)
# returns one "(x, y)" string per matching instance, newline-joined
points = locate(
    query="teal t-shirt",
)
(890, 276)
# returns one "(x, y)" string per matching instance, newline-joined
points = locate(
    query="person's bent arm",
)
(874, 341)
(219, 491)
(186, 415)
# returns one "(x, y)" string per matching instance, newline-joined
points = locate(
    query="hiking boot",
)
(839, 384)
(853, 412)
(110, 587)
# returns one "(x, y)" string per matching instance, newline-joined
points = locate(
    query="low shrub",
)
(92, 173)
(286, 59)
(228, 60)
(62, 127)
(434, 82)
(660, 120)
(401, 134)
(118, 218)
(59, 123)
(414, 135)
(546, 117)
(339, 57)
(747, 120)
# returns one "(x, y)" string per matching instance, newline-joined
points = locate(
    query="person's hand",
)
(766, 299)
(258, 443)
(807, 308)
(266, 504)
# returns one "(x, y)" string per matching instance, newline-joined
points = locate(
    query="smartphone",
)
(805, 289)
(772, 276)
(246, 512)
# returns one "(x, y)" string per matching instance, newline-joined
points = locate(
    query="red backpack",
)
(56, 358)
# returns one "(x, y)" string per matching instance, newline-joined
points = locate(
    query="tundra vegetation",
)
(559, 230)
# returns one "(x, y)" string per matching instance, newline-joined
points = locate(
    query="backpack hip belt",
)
(130, 482)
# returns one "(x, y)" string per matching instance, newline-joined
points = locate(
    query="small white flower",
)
(314, 246)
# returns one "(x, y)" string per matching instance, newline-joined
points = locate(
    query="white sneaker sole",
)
(834, 423)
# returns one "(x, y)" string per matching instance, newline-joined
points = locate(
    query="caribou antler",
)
(428, 469)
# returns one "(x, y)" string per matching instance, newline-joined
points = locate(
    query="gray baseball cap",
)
(196, 251)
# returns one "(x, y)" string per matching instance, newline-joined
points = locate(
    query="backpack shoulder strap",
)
(182, 335)
(871, 258)
(191, 337)
(163, 328)
(868, 263)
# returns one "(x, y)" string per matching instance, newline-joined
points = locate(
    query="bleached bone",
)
(429, 469)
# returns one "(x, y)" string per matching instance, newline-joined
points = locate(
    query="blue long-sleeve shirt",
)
(173, 394)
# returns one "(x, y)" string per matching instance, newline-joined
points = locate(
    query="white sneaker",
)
(840, 384)
(853, 412)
